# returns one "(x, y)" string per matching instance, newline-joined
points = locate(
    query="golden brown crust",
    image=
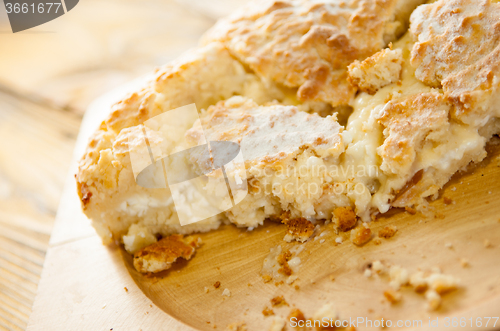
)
(278, 301)
(299, 229)
(105, 177)
(162, 254)
(387, 232)
(392, 296)
(308, 45)
(457, 47)
(282, 260)
(376, 71)
(361, 235)
(267, 311)
(345, 218)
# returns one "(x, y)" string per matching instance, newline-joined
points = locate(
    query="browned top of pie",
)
(307, 45)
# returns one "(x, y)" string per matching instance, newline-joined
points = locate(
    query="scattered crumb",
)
(367, 273)
(447, 201)
(377, 241)
(392, 296)
(162, 254)
(434, 284)
(361, 235)
(338, 240)
(267, 278)
(206, 289)
(388, 232)
(486, 243)
(344, 218)
(278, 324)
(126, 289)
(240, 326)
(442, 283)
(433, 300)
(464, 263)
(322, 241)
(226, 292)
(378, 267)
(297, 287)
(278, 301)
(217, 284)
(418, 282)
(267, 312)
(399, 277)
(280, 266)
(448, 245)
(283, 259)
(299, 229)
(332, 278)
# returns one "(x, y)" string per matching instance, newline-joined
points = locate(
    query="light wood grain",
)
(36, 147)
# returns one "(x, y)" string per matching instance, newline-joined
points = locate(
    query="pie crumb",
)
(447, 201)
(392, 296)
(299, 229)
(267, 311)
(433, 300)
(267, 278)
(278, 324)
(388, 232)
(344, 218)
(361, 235)
(240, 326)
(278, 301)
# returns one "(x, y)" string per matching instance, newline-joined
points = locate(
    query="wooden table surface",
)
(48, 76)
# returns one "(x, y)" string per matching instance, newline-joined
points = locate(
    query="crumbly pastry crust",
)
(409, 135)
(161, 255)
(307, 46)
(458, 47)
(377, 71)
(105, 178)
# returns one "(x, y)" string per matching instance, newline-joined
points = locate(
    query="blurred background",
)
(48, 76)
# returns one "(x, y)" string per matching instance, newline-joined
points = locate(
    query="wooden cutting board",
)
(86, 286)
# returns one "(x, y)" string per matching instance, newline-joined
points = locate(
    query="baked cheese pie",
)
(341, 109)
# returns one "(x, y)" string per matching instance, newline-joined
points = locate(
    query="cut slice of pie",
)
(422, 110)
